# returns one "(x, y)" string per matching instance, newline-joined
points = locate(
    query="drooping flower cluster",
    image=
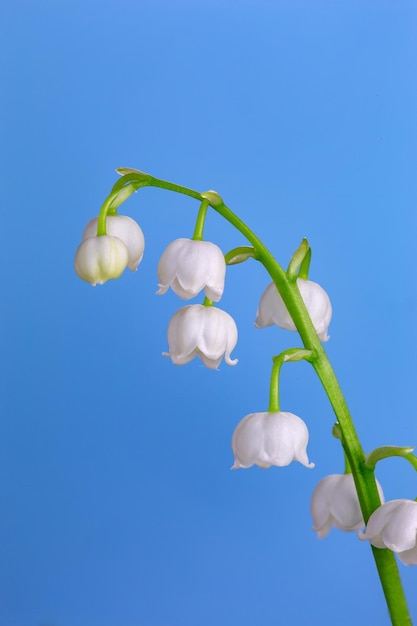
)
(101, 258)
(189, 267)
(271, 438)
(393, 525)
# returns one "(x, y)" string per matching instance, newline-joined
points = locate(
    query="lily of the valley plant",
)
(351, 501)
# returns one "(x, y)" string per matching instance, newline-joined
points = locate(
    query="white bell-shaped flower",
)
(98, 259)
(335, 503)
(394, 525)
(188, 266)
(126, 229)
(203, 331)
(272, 309)
(272, 438)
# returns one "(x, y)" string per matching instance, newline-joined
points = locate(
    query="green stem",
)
(391, 584)
(347, 465)
(101, 226)
(274, 405)
(385, 452)
(411, 459)
(201, 218)
(290, 355)
(363, 476)
(120, 192)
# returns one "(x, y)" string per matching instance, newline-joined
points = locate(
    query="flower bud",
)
(272, 438)
(188, 266)
(335, 503)
(394, 525)
(98, 259)
(203, 331)
(126, 229)
(272, 309)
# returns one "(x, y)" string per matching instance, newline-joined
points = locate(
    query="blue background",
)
(118, 505)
